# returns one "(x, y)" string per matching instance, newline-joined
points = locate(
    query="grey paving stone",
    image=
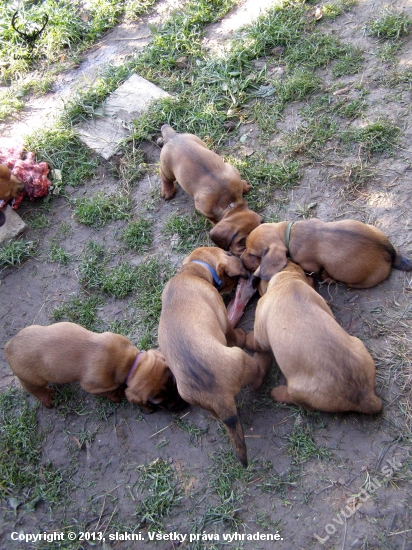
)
(104, 133)
(13, 227)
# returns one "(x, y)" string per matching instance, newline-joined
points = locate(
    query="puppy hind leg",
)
(251, 343)
(235, 337)
(168, 187)
(264, 361)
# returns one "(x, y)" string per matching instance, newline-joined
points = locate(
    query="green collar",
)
(287, 236)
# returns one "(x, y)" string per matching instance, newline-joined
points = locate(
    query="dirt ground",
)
(323, 502)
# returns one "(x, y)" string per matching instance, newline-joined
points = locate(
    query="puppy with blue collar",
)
(201, 346)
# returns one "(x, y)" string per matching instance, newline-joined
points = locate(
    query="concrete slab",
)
(128, 102)
(13, 226)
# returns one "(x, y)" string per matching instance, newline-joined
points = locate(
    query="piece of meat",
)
(236, 307)
(33, 174)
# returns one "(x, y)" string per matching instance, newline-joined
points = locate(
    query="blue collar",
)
(212, 271)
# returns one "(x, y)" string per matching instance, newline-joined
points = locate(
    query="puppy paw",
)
(46, 398)
(240, 337)
(168, 191)
(281, 395)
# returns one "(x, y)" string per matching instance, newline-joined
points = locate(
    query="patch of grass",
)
(188, 231)
(25, 480)
(386, 52)
(59, 254)
(131, 166)
(69, 399)
(10, 103)
(151, 277)
(100, 209)
(91, 269)
(389, 25)
(82, 310)
(138, 235)
(350, 108)
(62, 150)
(120, 280)
(70, 29)
(349, 63)
(38, 220)
(355, 176)
(159, 494)
(195, 432)
(376, 137)
(311, 136)
(301, 446)
(316, 50)
(14, 253)
(265, 177)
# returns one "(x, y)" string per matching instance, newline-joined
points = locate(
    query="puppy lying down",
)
(104, 364)
(325, 368)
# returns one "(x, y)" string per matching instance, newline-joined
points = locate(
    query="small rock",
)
(160, 142)
(181, 62)
(229, 125)
(278, 51)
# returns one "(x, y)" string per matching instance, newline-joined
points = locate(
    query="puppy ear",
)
(274, 259)
(222, 234)
(234, 267)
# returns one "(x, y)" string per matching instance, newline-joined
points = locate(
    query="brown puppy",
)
(10, 186)
(326, 369)
(199, 343)
(349, 251)
(103, 364)
(216, 186)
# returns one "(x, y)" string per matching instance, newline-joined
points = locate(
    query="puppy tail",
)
(402, 263)
(373, 405)
(167, 132)
(235, 431)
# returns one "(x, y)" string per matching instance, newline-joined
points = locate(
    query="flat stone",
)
(13, 227)
(104, 133)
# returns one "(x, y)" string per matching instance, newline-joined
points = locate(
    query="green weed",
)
(100, 209)
(59, 254)
(82, 311)
(349, 63)
(69, 399)
(389, 25)
(311, 136)
(91, 269)
(159, 494)
(301, 446)
(138, 235)
(377, 137)
(131, 166)
(14, 253)
(25, 479)
(195, 432)
(120, 280)
(38, 220)
(62, 150)
(188, 231)
(265, 177)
